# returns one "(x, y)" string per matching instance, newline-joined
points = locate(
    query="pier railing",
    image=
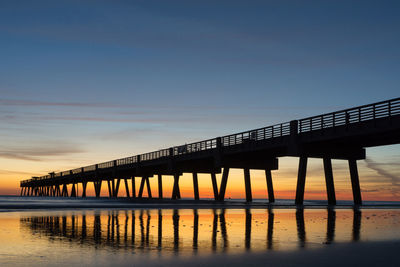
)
(352, 115)
(329, 120)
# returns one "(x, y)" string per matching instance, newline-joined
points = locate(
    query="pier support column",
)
(196, 186)
(355, 183)
(176, 194)
(109, 188)
(247, 184)
(270, 188)
(301, 180)
(116, 188)
(97, 188)
(148, 187)
(133, 187)
(160, 191)
(113, 187)
(140, 195)
(224, 182)
(65, 191)
(58, 192)
(73, 190)
(84, 184)
(215, 186)
(330, 187)
(126, 187)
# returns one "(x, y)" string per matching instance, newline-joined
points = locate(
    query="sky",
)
(83, 82)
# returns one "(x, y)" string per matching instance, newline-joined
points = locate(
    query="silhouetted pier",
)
(343, 135)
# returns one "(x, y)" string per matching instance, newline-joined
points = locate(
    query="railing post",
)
(219, 143)
(322, 122)
(294, 127)
(374, 109)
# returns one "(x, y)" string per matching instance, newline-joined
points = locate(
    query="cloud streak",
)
(14, 102)
(395, 180)
(37, 153)
(33, 103)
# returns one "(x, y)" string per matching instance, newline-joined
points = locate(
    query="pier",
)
(340, 135)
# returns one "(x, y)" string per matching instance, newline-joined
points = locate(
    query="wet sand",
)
(40, 231)
(353, 254)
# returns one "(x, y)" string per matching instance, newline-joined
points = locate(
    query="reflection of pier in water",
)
(142, 229)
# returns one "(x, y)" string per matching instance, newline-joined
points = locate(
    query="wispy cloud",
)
(127, 109)
(395, 180)
(16, 102)
(6, 172)
(38, 153)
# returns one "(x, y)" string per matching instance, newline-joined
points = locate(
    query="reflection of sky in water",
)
(164, 233)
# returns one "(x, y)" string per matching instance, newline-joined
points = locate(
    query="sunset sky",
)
(83, 82)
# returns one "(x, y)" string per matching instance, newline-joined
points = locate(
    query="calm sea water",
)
(101, 236)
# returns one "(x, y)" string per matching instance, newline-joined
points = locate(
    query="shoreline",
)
(40, 203)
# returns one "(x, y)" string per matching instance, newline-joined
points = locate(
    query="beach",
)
(105, 232)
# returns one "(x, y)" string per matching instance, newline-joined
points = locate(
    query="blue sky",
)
(94, 80)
